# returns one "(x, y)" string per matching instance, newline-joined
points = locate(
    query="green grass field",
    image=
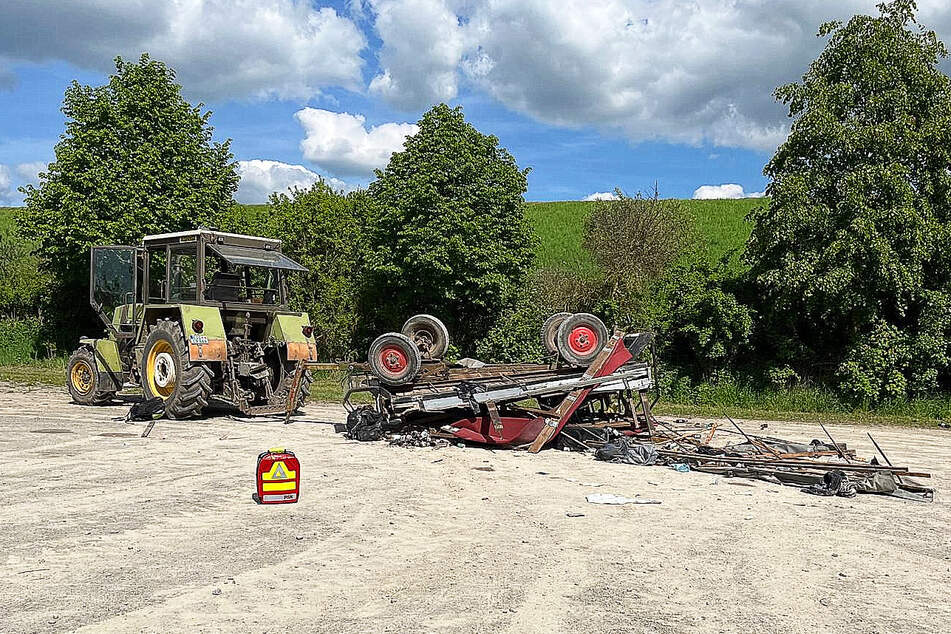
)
(721, 226)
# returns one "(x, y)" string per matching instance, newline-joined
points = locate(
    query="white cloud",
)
(422, 46)
(14, 177)
(6, 185)
(601, 196)
(29, 173)
(340, 143)
(219, 48)
(687, 72)
(261, 178)
(727, 190)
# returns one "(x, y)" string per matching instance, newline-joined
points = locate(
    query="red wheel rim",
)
(393, 360)
(582, 339)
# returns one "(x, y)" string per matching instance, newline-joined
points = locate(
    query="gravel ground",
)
(107, 531)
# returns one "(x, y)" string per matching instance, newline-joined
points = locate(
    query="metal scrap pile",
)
(821, 468)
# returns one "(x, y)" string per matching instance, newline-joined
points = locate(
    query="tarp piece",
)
(628, 453)
(247, 256)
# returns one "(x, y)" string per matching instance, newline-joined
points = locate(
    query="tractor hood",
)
(248, 256)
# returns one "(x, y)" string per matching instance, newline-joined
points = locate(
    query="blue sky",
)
(591, 94)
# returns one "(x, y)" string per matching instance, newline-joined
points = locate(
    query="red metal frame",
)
(522, 430)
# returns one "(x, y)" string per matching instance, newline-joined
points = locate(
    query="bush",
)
(20, 341)
(705, 327)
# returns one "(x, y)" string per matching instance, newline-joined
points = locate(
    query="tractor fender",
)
(208, 345)
(108, 362)
(289, 328)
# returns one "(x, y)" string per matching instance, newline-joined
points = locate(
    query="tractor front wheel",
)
(84, 381)
(168, 373)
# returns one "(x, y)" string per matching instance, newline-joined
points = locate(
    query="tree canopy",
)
(851, 251)
(136, 158)
(447, 232)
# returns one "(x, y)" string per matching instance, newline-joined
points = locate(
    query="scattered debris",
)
(610, 498)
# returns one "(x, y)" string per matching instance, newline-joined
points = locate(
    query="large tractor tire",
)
(84, 381)
(429, 334)
(549, 333)
(394, 358)
(167, 372)
(580, 338)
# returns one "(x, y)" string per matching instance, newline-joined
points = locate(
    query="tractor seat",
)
(225, 287)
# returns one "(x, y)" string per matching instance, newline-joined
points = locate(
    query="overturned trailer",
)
(593, 381)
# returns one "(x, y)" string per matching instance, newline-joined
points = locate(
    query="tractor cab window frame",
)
(117, 266)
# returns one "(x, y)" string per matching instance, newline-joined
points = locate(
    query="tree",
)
(136, 158)
(323, 231)
(447, 233)
(851, 251)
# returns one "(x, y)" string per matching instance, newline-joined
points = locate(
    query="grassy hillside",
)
(721, 226)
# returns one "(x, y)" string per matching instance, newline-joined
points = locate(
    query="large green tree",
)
(447, 233)
(136, 158)
(852, 250)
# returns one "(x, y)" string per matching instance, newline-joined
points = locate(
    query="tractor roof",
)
(213, 236)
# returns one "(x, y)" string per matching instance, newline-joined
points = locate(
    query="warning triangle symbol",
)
(279, 473)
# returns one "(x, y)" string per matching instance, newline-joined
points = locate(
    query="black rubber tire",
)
(402, 348)
(85, 359)
(593, 340)
(193, 380)
(429, 334)
(549, 331)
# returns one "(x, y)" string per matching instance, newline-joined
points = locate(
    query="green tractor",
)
(191, 316)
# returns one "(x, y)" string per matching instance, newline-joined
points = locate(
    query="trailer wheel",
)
(581, 337)
(429, 334)
(549, 332)
(83, 380)
(394, 358)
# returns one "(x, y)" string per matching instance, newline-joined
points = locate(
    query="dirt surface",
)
(105, 530)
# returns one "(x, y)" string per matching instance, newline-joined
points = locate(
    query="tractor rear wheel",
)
(394, 358)
(580, 338)
(83, 379)
(168, 373)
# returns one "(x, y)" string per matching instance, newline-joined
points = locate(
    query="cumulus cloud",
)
(688, 72)
(726, 190)
(340, 143)
(601, 196)
(422, 47)
(6, 185)
(14, 177)
(219, 48)
(260, 178)
(29, 173)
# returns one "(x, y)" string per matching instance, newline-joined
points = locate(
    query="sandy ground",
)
(107, 531)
